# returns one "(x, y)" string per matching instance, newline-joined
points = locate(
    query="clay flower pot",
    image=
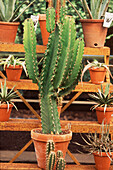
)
(13, 73)
(4, 112)
(97, 75)
(102, 162)
(94, 32)
(8, 31)
(40, 141)
(104, 116)
(45, 34)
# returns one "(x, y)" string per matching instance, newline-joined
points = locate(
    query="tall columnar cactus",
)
(52, 157)
(60, 71)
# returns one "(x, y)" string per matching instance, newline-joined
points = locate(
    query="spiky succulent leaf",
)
(30, 50)
(50, 19)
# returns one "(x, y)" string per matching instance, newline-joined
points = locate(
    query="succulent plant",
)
(60, 70)
(96, 64)
(103, 99)
(11, 60)
(8, 12)
(98, 143)
(52, 157)
(97, 8)
(6, 97)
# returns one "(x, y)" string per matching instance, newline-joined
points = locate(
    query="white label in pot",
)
(35, 20)
(108, 19)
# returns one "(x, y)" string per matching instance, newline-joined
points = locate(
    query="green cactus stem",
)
(60, 164)
(50, 19)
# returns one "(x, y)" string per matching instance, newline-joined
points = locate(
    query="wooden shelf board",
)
(26, 84)
(42, 48)
(25, 166)
(29, 124)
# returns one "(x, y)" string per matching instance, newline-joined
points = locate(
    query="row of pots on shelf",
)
(91, 27)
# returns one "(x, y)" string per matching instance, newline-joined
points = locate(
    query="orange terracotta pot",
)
(97, 75)
(104, 116)
(40, 141)
(13, 73)
(45, 34)
(8, 31)
(102, 162)
(94, 32)
(4, 112)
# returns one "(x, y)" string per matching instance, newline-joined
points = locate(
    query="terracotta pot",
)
(8, 31)
(94, 32)
(102, 162)
(40, 141)
(97, 75)
(104, 116)
(13, 73)
(4, 112)
(45, 34)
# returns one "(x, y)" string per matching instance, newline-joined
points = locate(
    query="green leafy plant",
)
(60, 71)
(98, 143)
(52, 157)
(8, 13)
(11, 60)
(96, 11)
(6, 97)
(95, 64)
(103, 99)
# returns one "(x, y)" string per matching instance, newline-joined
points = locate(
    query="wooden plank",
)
(19, 48)
(21, 166)
(29, 124)
(41, 49)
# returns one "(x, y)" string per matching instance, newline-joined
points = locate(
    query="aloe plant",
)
(103, 98)
(96, 10)
(6, 97)
(8, 13)
(52, 157)
(60, 70)
(11, 60)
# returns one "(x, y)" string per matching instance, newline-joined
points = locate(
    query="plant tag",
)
(35, 20)
(108, 19)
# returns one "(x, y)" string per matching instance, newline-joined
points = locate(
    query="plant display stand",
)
(28, 124)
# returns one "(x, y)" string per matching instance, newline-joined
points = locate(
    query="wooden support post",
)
(27, 104)
(69, 103)
(72, 157)
(2, 75)
(106, 60)
(21, 151)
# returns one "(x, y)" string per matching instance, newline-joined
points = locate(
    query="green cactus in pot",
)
(60, 70)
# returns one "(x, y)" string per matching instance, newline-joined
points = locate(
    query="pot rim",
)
(102, 109)
(97, 68)
(12, 67)
(103, 154)
(9, 23)
(46, 137)
(42, 17)
(91, 20)
(4, 106)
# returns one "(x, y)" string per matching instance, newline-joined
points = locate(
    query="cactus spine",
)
(52, 157)
(60, 70)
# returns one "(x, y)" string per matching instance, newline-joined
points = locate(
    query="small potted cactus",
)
(13, 66)
(60, 72)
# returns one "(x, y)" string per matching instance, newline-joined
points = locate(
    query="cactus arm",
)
(30, 50)
(50, 19)
(76, 67)
(49, 115)
(51, 161)
(62, 13)
(60, 164)
(49, 147)
(49, 62)
(86, 9)
(64, 53)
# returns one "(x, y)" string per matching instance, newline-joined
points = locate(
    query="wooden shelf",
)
(41, 49)
(21, 166)
(29, 124)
